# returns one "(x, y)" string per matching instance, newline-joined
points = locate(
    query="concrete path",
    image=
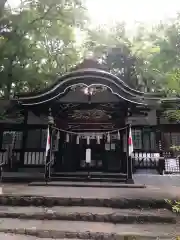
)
(157, 180)
(157, 187)
(151, 192)
(60, 227)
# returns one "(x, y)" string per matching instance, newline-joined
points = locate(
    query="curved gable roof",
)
(88, 75)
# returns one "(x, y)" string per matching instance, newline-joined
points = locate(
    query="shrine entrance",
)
(100, 127)
(107, 151)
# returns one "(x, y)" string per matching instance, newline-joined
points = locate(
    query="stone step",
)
(87, 184)
(95, 214)
(91, 179)
(49, 201)
(22, 177)
(10, 236)
(12, 177)
(92, 174)
(87, 230)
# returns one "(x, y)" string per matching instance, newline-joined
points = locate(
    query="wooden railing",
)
(147, 160)
(143, 160)
(31, 157)
(34, 158)
(3, 156)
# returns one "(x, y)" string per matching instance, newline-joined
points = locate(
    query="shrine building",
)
(87, 109)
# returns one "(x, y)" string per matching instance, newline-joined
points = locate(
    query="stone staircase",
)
(32, 217)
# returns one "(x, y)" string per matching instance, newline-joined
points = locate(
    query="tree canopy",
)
(38, 42)
(42, 39)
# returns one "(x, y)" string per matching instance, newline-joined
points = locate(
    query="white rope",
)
(76, 133)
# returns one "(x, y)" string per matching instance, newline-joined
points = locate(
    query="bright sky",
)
(148, 11)
(130, 11)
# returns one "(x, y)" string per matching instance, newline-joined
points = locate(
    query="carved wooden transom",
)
(92, 114)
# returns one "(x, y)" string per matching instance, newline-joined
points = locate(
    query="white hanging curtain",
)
(88, 155)
(58, 135)
(56, 145)
(88, 140)
(108, 138)
(77, 139)
(118, 136)
(67, 137)
(98, 139)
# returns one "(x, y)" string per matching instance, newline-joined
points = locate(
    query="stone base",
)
(87, 184)
(130, 181)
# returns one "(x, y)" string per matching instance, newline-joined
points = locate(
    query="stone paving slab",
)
(157, 180)
(61, 228)
(140, 181)
(150, 192)
(158, 187)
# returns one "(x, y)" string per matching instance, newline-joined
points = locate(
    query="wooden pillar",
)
(128, 158)
(51, 141)
(122, 149)
(1, 134)
(158, 133)
(59, 155)
(121, 152)
(161, 164)
(24, 137)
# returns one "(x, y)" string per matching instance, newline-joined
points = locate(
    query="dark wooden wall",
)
(144, 138)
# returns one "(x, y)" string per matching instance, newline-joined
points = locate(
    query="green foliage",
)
(148, 60)
(175, 205)
(43, 39)
(113, 49)
(38, 43)
(172, 115)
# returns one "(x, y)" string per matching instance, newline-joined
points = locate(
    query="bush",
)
(175, 205)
